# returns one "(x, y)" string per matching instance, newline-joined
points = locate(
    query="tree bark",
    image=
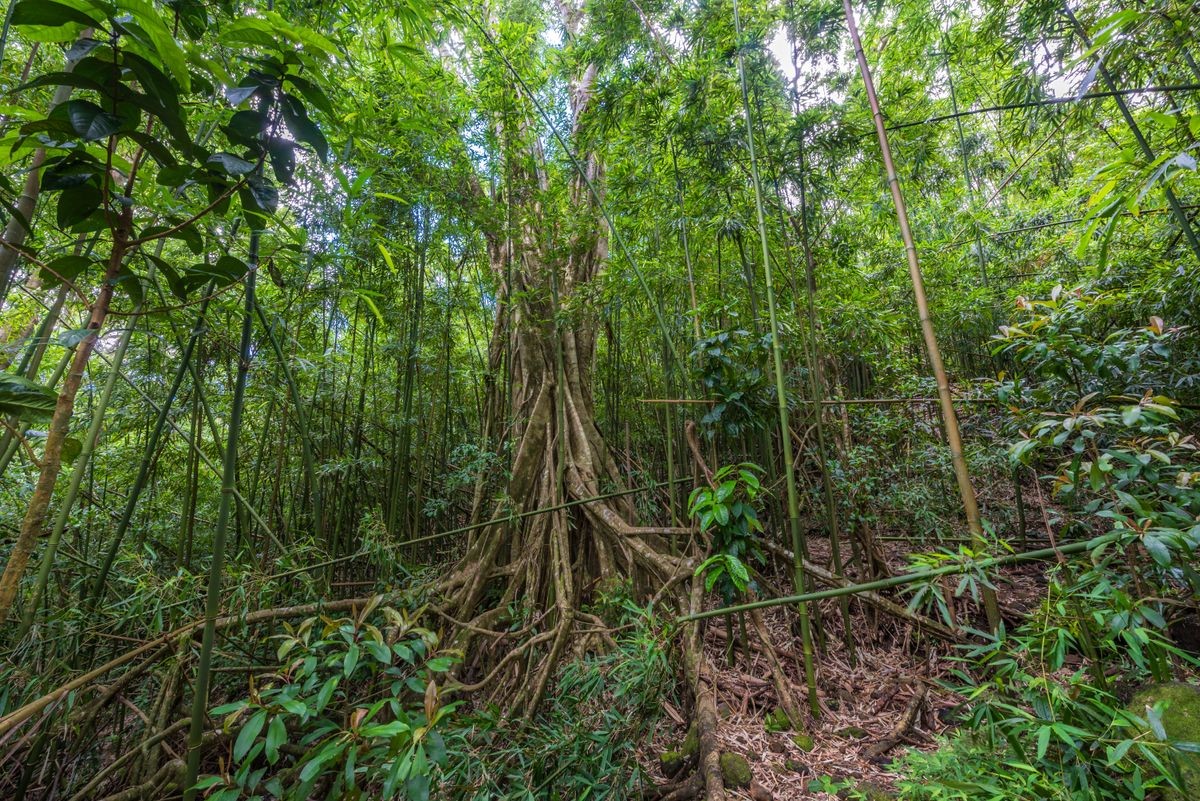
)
(60, 423)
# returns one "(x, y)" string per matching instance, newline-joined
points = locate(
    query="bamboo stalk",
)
(1181, 217)
(149, 451)
(910, 578)
(228, 486)
(1050, 101)
(307, 450)
(816, 391)
(793, 497)
(949, 418)
(78, 470)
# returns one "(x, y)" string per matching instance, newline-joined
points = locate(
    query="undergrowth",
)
(584, 742)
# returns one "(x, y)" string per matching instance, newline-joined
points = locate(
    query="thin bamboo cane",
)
(148, 452)
(228, 486)
(1050, 101)
(816, 390)
(1181, 217)
(793, 498)
(912, 578)
(307, 450)
(78, 470)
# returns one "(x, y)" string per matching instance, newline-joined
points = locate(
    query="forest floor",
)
(897, 684)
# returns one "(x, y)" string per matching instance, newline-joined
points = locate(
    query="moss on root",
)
(777, 720)
(691, 743)
(735, 770)
(1181, 720)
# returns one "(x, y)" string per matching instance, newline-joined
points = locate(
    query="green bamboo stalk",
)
(60, 422)
(793, 498)
(816, 393)
(912, 578)
(148, 453)
(228, 486)
(78, 470)
(191, 491)
(237, 495)
(307, 450)
(1181, 217)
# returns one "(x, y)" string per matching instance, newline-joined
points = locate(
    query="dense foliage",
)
(285, 286)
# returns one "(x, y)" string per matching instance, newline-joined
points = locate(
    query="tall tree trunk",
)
(60, 423)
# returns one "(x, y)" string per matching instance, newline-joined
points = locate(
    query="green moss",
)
(852, 732)
(1180, 706)
(803, 741)
(869, 791)
(777, 720)
(670, 762)
(691, 743)
(735, 770)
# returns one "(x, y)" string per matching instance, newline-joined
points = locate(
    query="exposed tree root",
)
(783, 685)
(705, 711)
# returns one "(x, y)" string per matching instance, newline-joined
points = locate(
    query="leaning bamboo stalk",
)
(816, 388)
(949, 417)
(149, 451)
(60, 422)
(874, 599)
(1185, 225)
(203, 457)
(24, 713)
(78, 470)
(307, 449)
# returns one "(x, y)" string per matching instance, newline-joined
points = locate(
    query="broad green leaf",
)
(229, 164)
(25, 399)
(52, 20)
(249, 734)
(302, 128)
(76, 205)
(91, 122)
(276, 736)
(157, 37)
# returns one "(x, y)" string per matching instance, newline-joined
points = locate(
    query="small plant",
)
(725, 510)
(344, 746)
(731, 366)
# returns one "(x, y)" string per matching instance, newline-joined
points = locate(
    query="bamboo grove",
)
(471, 399)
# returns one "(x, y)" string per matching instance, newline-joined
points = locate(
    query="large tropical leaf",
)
(23, 398)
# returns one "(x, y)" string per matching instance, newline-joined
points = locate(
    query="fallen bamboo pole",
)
(908, 578)
(20, 715)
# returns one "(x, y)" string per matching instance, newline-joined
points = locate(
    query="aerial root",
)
(699, 673)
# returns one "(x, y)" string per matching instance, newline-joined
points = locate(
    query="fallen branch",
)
(24, 713)
(901, 729)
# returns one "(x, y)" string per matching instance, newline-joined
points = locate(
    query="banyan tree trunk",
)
(546, 564)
